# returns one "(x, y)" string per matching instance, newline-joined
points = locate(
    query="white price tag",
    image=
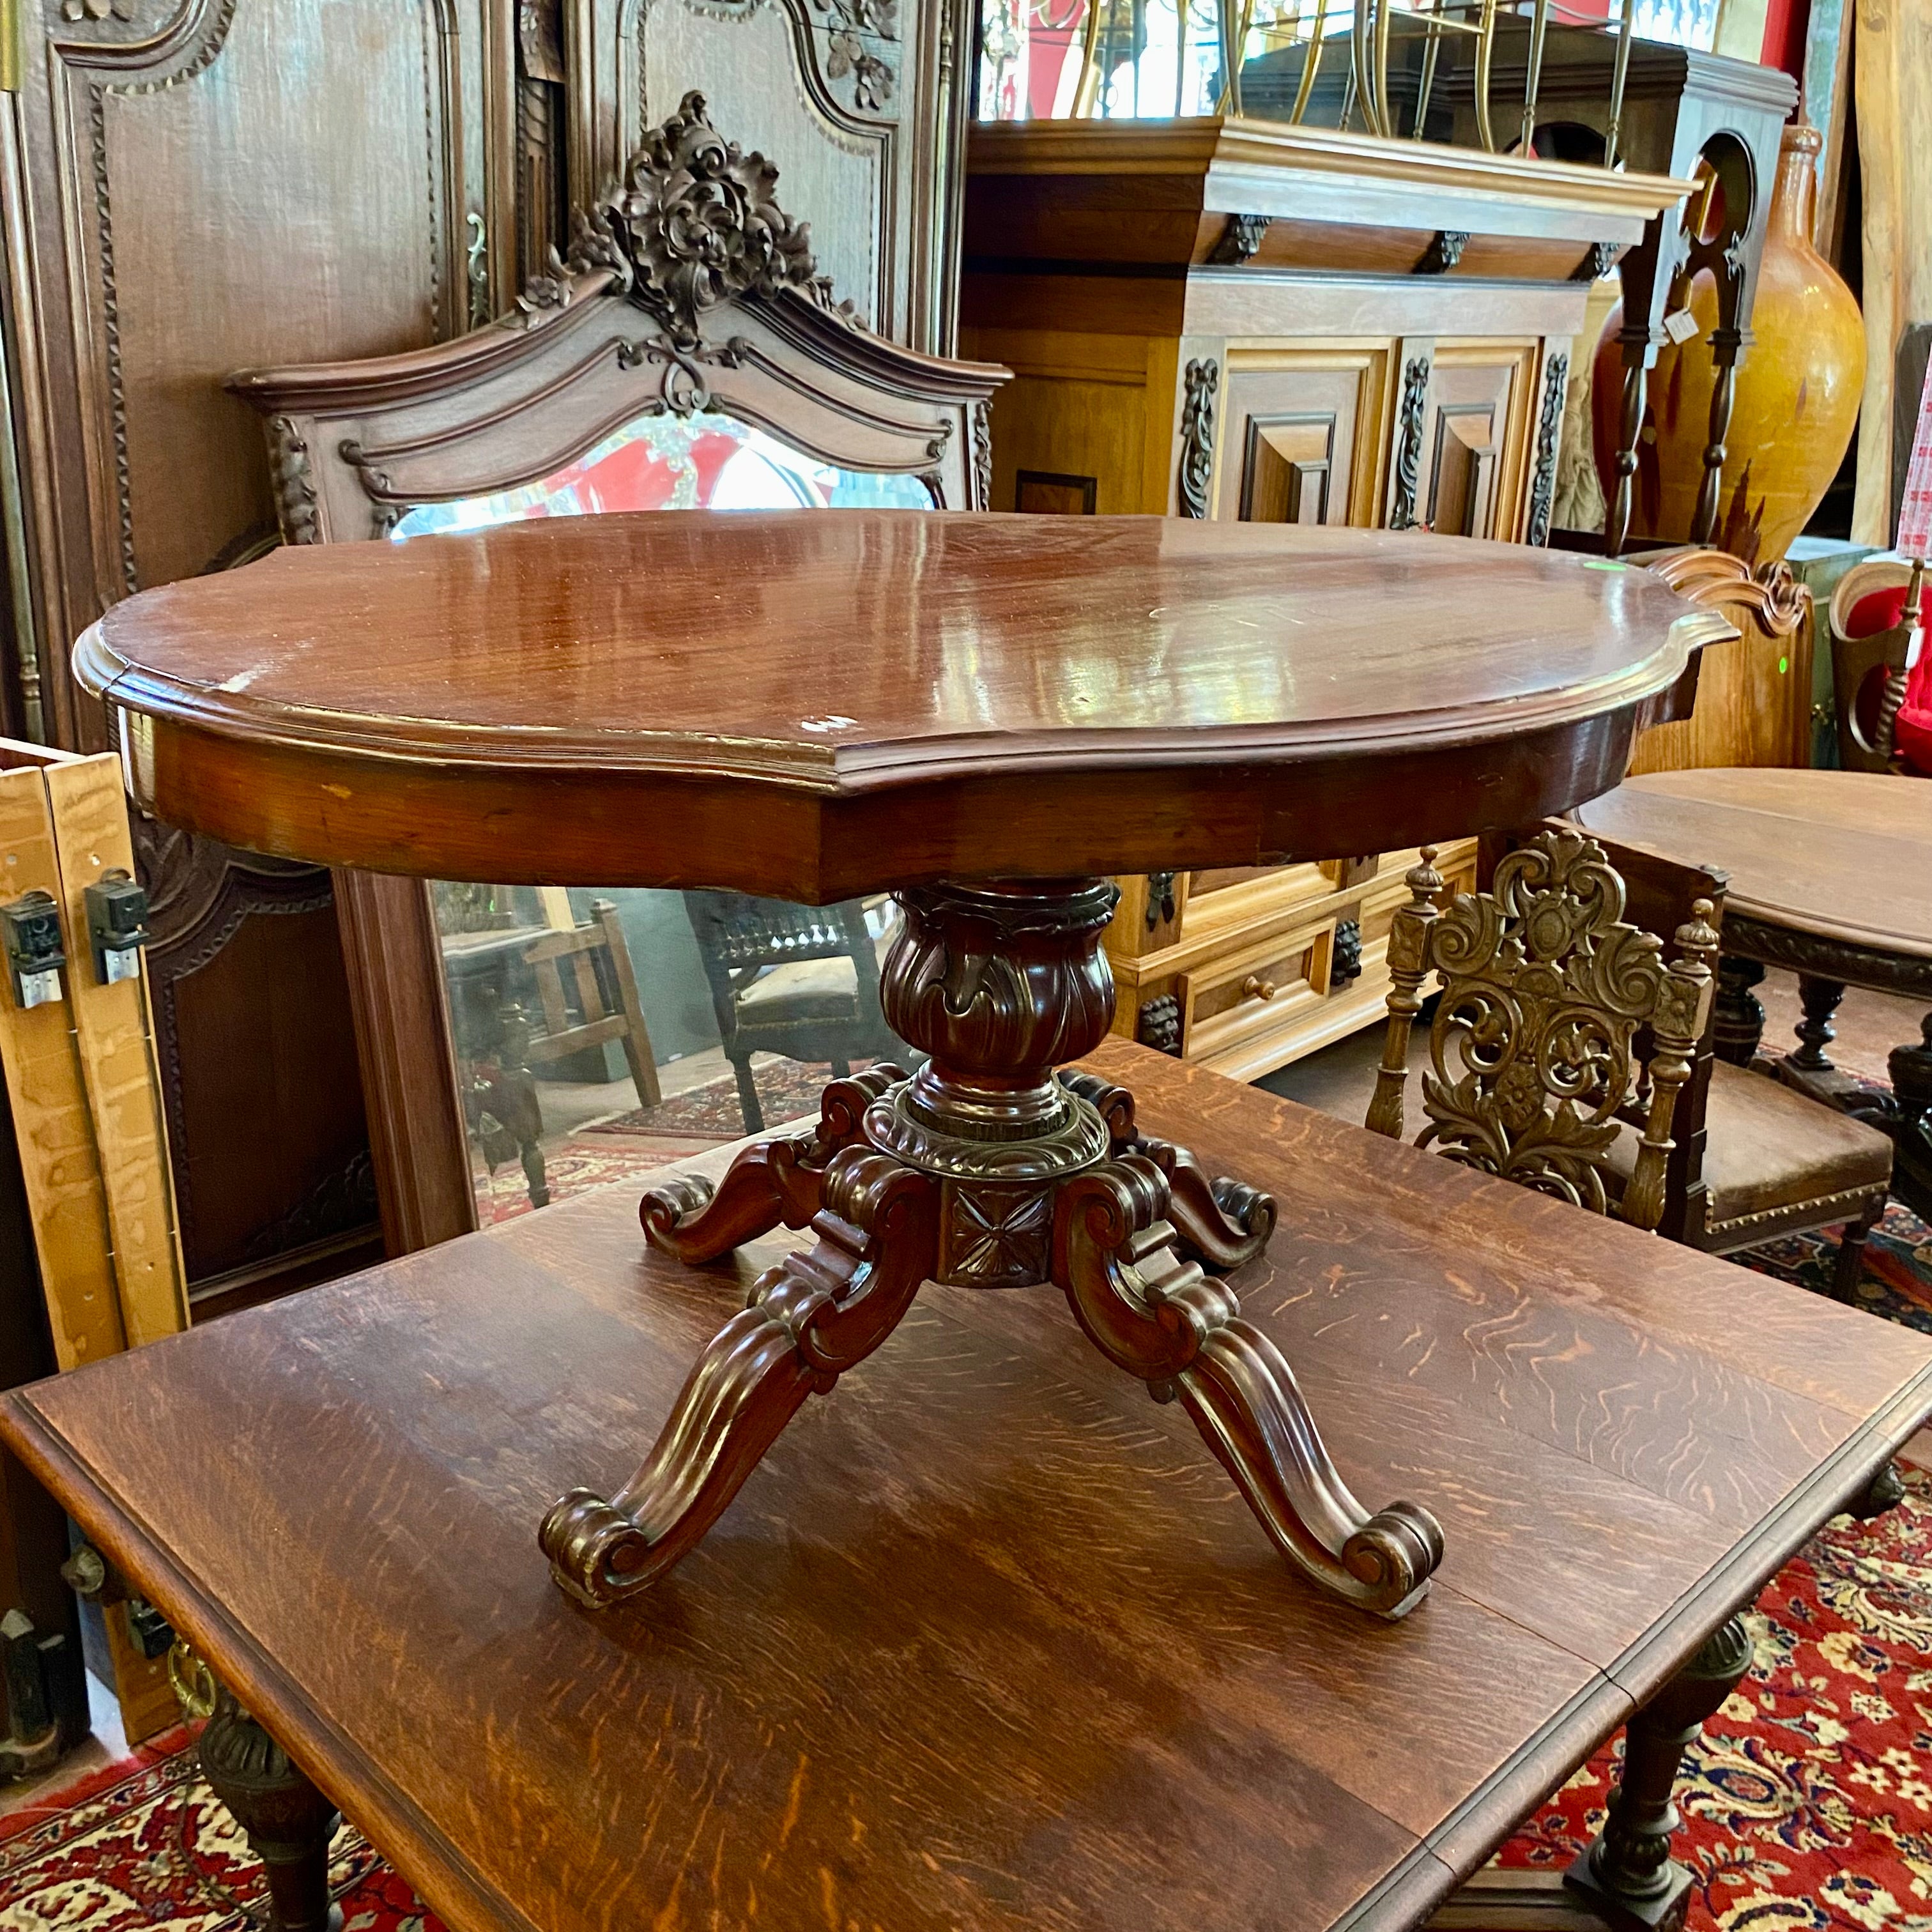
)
(1680, 325)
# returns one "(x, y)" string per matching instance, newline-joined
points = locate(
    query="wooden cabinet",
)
(1215, 318)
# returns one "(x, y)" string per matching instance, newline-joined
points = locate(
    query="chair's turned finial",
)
(1697, 938)
(1422, 879)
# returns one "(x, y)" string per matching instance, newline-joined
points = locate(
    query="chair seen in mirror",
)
(795, 980)
(1568, 1053)
(687, 354)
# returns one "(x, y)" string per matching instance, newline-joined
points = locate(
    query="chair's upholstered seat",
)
(801, 989)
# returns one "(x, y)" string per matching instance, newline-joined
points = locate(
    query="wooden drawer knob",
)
(1254, 987)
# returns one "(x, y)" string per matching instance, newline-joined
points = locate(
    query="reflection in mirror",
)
(704, 461)
(598, 1036)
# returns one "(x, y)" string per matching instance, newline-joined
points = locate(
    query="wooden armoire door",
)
(189, 187)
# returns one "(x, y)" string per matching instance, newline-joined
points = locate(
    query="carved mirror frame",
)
(687, 289)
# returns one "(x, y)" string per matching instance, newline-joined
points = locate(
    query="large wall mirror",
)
(582, 1033)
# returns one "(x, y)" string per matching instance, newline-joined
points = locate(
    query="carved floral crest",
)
(693, 224)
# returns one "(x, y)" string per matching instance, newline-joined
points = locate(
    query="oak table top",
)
(1844, 855)
(815, 703)
(988, 1640)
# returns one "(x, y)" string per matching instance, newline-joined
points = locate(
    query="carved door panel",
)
(860, 104)
(215, 183)
(1475, 438)
(1303, 428)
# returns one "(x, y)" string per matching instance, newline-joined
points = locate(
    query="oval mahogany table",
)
(987, 714)
(1830, 876)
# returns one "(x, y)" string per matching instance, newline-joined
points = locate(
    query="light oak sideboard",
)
(1218, 318)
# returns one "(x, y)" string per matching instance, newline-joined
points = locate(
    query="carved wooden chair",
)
(687, 353)
(796, 980)
(1569, 1051)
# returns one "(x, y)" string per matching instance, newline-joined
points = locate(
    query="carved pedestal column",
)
(990, 1169)
(288, 1823)
(1628, 1874)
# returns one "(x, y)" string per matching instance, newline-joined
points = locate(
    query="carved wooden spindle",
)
(1683, 1011)
(1628, 1873)
(1409, 969)
(1820, 999)
(1616, 531)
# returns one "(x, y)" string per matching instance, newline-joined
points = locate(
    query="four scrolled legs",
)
(772, 1181)
(1158, 1316)
(809, 1319)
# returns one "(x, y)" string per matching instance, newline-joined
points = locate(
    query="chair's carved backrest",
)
(1546, 989)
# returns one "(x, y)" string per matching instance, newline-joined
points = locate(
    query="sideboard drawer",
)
(1240, 1008)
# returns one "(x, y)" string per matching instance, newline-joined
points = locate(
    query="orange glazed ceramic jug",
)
(1797, 390)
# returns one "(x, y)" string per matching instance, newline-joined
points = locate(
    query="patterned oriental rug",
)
(1807, 1804)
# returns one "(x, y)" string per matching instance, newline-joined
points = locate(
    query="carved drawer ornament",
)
(1544, 989)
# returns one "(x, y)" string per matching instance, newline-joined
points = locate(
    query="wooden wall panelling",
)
(186, 186)
(59, 1163)
(860, 103)
(113, 1036)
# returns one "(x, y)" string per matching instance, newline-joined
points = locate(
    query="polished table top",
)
(988, 1640)
(1847, 855)
(817, 702)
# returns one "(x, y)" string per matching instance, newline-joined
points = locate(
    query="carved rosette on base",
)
(990, 1167)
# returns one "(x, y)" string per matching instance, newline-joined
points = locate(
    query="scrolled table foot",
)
(1156, 1314)
(1222, 1223)
(773, 1180)
(809, 1319)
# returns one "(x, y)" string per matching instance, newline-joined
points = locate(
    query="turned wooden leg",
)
(808, 1320)
(288, 1821)
(1848, 1269)
(1885, 1491)
(1739, 1024)
(1820, 998)
(775, 1180)
(1911, 1070)
(1628, 1873)
(1157, 1316)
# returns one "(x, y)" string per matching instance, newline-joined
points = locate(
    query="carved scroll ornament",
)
(693, 224)
(1197, 435)
(1545, 987)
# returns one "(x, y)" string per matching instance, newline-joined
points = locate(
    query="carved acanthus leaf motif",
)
(1545, 987)
(982, 455)
(693, 224)
(1197, 435)
(1549, 439)
(79, 10)
(1408, 442)
(294, 485)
